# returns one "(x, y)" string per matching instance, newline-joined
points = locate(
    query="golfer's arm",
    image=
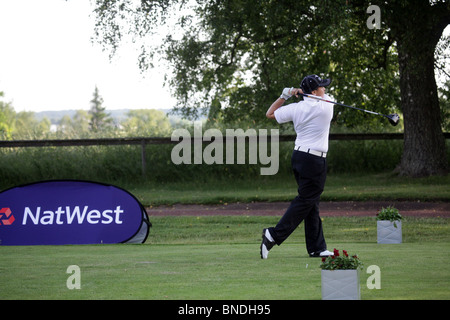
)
(277, 104)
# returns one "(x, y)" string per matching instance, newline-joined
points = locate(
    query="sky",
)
(48, 62)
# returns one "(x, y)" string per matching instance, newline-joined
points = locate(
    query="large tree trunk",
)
(424, 144)
(417, 32)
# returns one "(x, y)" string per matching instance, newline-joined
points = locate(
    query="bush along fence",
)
(152, 157)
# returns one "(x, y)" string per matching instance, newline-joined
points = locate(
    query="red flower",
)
(336, 262)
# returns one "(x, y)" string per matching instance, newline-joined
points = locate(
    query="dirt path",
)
(346, 208)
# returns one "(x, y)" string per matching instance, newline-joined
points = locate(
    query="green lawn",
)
(383, 186)
(218, 258)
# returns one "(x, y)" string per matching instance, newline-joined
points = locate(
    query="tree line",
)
(95, 122)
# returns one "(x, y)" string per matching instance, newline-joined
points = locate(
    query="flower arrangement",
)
(389, 213)
(340, 262)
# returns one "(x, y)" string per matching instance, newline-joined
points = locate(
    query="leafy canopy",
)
(231, 59)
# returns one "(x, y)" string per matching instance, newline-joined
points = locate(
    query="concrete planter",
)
(387, 232)
(341, 285)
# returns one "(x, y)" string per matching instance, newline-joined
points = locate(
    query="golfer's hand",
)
(289, 92)
(286, 94)
(295, 92)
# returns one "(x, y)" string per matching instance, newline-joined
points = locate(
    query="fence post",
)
(144, 165)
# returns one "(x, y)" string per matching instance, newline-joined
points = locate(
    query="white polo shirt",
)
(311, 120)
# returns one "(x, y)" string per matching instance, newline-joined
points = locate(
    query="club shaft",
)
(341, 104)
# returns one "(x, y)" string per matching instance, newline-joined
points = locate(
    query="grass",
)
(339, 187)
(218, 258)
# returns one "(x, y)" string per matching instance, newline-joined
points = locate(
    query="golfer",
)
(311, 119)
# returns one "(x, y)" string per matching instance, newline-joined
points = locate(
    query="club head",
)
(394, 119)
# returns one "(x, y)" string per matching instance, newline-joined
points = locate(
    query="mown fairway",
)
(218, 258)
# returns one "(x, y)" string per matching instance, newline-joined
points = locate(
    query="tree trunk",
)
(424, 145)
(417, 28)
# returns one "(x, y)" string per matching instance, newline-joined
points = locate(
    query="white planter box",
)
(388, 233)
(340, 285)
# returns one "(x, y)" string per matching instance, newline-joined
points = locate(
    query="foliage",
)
(249, 52)
(230, 59)
(6, 119)
(99, 119)
(341, 262)
(21, 125)
(27, 127)
(94, 123)
(234, 57)
(152, 123)
(444, 102)
(390, 213)
(76, 126)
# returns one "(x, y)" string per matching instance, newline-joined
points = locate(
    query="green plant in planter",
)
(389, 213)
(341, 262)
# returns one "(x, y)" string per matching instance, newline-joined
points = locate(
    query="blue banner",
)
(70, 212)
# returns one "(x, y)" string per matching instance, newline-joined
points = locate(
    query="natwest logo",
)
(6, 217)
(60, 212)
(70, 215)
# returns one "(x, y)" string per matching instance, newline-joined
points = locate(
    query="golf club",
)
(393, 118)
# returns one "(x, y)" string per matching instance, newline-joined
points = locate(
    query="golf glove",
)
(285, 94)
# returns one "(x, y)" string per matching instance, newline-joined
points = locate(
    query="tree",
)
(243, 53)
(444, 102)
(27, 127)
(7, 119)
(75, 127)
(417, 26)
(100, 120)
(147, 123)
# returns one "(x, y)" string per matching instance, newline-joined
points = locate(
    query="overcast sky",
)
(47, 61)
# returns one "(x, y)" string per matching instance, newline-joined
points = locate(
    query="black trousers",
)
(310, 172)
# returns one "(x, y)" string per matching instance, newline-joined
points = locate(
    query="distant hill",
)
(56, 116)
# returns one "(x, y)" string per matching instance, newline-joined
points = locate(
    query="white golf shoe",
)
(266, 244)
(321, 254)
